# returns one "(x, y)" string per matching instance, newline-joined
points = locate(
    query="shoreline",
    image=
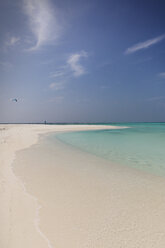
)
(13, 139)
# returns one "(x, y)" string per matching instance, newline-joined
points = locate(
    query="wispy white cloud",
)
(162, 75)
(11, 41)
(144, 45)
(58, 73)
(74, 63)
(72, 68)
(57, 85)
(42, 19)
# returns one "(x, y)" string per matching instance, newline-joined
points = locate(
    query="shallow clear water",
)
(142, 145)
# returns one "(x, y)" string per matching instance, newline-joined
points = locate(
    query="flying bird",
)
(14, 99)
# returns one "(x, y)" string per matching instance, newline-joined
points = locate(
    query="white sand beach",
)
(79, 201)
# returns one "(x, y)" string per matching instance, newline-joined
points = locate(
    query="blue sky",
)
(82, 61)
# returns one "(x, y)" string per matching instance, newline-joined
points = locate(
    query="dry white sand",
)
(85, 201)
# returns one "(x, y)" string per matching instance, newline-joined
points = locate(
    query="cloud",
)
(58, 73)
(144, 45)
(42, 20)
(74, 63)
(56, 85)
(72, 68)
(162, 75)
(12, 41)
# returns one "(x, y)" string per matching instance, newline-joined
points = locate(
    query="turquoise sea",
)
(141, 145)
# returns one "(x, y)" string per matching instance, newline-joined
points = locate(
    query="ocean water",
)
(141, 145)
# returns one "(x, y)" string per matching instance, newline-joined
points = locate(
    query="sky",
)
(82, 61)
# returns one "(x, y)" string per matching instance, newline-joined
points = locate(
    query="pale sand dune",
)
(86, 201)
(19, 210)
